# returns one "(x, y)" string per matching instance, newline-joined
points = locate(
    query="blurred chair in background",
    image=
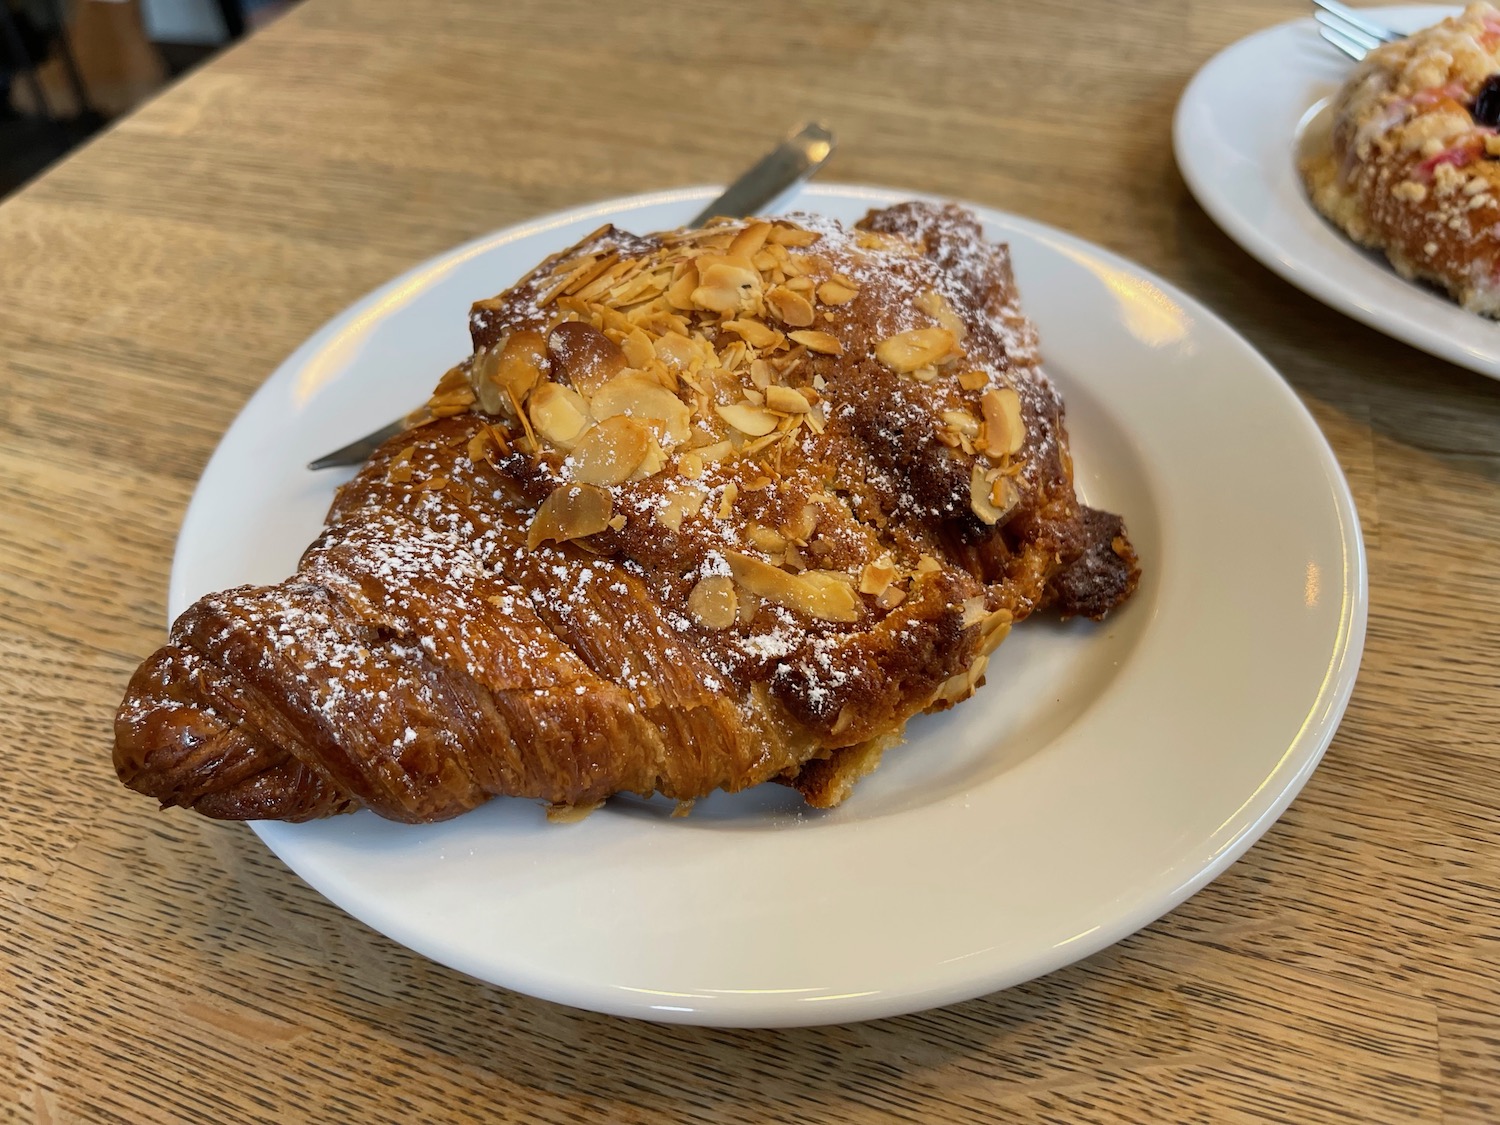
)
(68, 65)
(185, 32)
(33, 36)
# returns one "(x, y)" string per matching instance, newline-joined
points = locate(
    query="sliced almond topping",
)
(690, 465)
(477, 445)
(877, 575)
(815, 341)
(582, 356)
(642, 287)
(928, 565)
(961, 421)
(837, 291)
(455, 378)
(973, 380)
(756, 333)
(764, 538)
(684, 281)
(935, 305)
(753, 421)
(491, 399)
(716, 452)
(786, 400)
(994, 629)
(1004, 431)
(512, 367)
(792, 236)
(991, 501)
(570, 511)
(399, 472)
(713, 603)
(979, 497)
(643, 398)
(749, 607)
(790, 307)
(617, 523)
(676, 353)
(611, 277)
(749, 241)
(787, 362)
(558, 414)
(879, 240)
(726, 500)
(959, 687)
(725, 285)
(974, 610)
(761, 373)
(610, 452)
(638, 349)
(920, 347)
(814, 419)
(589, 271)
(568, 274)
(1004, 495)
(803, 523)
(732, 355)
(679, 505)
(823, 594)
(449, 406)
(653, 462)
(498, 438)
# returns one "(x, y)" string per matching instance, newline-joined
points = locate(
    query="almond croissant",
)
(702, 510)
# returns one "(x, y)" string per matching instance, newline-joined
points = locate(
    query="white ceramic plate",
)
(1236, 136)
(1104, 774)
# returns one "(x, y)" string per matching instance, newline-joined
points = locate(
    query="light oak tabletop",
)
(162, 967)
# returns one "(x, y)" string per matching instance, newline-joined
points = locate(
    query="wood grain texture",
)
(164, 968)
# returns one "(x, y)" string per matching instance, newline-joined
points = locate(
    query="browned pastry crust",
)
(1412, 162)
(703, 510)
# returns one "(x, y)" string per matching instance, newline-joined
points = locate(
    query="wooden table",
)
(163, 967)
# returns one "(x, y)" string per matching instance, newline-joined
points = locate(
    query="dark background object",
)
(49, 103)
(28, 38)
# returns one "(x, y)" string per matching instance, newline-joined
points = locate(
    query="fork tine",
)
(1348, 31)
(1344, 44)
(1354, 19)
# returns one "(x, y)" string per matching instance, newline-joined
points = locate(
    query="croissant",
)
(702, 510)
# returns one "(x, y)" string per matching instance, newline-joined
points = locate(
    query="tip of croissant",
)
(173, 744)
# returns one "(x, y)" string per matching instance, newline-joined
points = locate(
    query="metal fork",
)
(1350, 32)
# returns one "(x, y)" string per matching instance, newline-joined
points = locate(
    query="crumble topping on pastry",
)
(1412, 166)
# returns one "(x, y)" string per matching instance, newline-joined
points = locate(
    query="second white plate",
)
(1236, 134)
(1104, 773)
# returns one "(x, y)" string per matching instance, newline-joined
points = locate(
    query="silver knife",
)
(792, 162)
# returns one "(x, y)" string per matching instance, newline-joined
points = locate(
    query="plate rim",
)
(1296, 265)
(1328, 706)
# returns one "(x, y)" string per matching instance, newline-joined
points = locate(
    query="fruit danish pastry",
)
(1413, 167)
